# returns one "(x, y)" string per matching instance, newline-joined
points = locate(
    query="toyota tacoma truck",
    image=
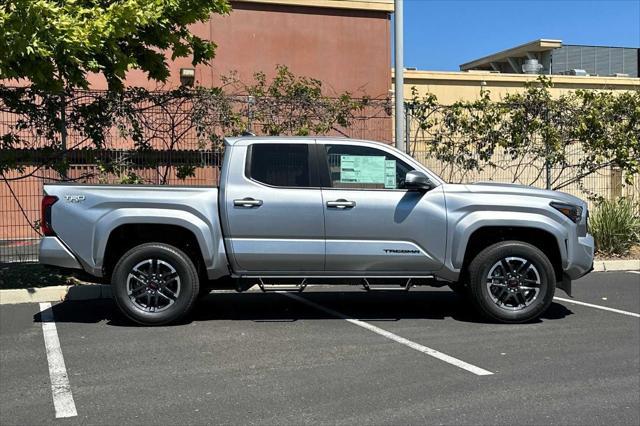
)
(288, 212)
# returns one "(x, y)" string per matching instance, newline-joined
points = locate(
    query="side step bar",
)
(367, 283)
(376, 287)
(282, 287)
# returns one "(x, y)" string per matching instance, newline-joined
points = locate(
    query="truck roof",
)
(235, 139)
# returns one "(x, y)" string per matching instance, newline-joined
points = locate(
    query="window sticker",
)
(363, 169)
(390, 174)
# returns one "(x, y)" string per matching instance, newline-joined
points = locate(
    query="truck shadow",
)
(277, 308)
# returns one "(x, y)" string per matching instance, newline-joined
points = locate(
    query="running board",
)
(375, 287)
(282, 287)
(300, 283)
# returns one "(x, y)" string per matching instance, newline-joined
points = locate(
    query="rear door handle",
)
(341, 204)
(247, 202)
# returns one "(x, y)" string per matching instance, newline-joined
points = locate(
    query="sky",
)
(442, 34)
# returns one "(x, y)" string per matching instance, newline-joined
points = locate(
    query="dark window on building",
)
(280, 164)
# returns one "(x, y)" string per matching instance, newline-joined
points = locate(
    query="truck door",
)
(373, 225)
(273, 208)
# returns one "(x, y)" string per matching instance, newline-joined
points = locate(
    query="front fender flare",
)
(470, 223)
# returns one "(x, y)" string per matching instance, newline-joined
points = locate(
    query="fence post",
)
(250, 102)
(615, 183)
(63, 130)
(407, 129)
(547, 167)
(547, 162)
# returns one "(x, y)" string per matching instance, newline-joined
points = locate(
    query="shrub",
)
(615, 225)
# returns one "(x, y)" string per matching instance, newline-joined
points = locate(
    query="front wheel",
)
(512, 282)
(155, 284)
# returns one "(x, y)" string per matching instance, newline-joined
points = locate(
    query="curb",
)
(102, 291)
(55, 294)
(616, 265)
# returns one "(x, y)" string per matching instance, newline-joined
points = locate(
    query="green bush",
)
(615, 225)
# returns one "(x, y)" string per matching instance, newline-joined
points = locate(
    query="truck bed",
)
(85, 213)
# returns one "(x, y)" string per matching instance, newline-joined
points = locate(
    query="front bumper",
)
(580, 257)
(54, 252)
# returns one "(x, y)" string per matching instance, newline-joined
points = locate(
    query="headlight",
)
(569, 210)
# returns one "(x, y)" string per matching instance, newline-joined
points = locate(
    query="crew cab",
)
(293, 211)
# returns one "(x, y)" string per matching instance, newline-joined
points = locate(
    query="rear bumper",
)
(53, 252)
(581, 257)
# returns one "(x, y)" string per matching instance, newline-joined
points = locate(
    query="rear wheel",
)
(155, 284)
(511, 282)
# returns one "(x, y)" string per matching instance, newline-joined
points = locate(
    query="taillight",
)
(45, 219)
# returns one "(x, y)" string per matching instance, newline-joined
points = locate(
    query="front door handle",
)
(247, 202)
(341, 204)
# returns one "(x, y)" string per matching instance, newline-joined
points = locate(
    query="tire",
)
(159, 299)
(521, 286)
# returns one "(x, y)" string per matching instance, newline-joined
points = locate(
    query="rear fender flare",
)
(204, 234)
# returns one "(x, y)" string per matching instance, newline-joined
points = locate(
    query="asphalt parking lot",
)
(258, 358)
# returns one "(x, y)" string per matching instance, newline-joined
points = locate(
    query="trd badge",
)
(75, 198)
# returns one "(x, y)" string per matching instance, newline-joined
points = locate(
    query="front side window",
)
(280, 164)
(362, 167)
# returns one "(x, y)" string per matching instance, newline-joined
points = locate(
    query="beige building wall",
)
(454, 86)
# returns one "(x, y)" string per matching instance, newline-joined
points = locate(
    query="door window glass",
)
(361, 167)
(280, 164)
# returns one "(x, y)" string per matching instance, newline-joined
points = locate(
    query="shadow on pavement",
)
(270, 307)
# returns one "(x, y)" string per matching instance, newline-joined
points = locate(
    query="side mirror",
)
(418, 181)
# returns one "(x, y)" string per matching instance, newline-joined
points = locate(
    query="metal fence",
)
(174, 153)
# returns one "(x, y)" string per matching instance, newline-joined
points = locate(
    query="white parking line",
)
(604, 308)
(420, 348)
(634, 272)
(60, 387)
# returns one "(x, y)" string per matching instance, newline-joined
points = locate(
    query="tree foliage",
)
(290, 104)
(56, 43)
(146, 122)
(560, 139)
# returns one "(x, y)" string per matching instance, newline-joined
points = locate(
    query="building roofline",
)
(540, 45)
(600, 45)
(370, 5)
(415, 77)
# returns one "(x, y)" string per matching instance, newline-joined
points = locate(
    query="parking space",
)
(269, 358)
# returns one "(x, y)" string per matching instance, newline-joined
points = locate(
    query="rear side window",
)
(280, 164)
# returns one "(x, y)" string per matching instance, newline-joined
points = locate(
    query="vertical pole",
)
(399, 74)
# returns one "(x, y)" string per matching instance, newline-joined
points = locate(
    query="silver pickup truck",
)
(294, 211)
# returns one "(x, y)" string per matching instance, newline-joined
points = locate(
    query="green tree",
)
(168, 121)
(55, 43)
(296, 105)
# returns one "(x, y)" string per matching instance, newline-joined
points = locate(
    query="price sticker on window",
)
(363, 169)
